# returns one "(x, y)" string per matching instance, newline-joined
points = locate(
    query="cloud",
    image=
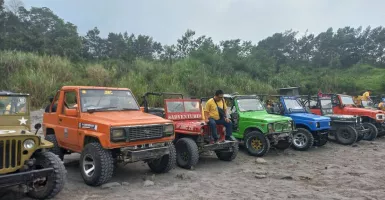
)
(167, 20)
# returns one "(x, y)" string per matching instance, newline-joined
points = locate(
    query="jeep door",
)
(68, 119)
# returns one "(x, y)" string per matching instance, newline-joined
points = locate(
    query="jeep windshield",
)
(251, 104)
(183, 106)
(13, 105)
(367, 103)
(293, 105)
(326, 103)
(347, 100)
(94, 100)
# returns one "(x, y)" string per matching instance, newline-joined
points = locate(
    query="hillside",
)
(40, 52)
(41, 76)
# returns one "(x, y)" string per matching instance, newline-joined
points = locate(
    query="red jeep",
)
(372, 119)
(192, 134)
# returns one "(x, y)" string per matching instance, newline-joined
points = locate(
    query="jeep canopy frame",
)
(163, 94)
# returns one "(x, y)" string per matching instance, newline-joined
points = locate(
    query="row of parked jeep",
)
(108, 126)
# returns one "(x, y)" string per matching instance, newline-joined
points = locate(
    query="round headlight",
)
(29, 144)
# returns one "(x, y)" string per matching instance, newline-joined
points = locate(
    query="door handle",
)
(60, 120)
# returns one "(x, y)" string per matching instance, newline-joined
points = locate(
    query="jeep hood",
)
(263, 116)
(120, 118)
(309, 117)
(12, 130)
(189, 125)
(363, 111)
(342, 117)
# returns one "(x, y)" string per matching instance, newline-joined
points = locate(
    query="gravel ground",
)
(330, 172)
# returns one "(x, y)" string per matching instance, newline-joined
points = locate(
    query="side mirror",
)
(37, 127)
(71, 112)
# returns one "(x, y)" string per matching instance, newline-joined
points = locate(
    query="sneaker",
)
(229, 139)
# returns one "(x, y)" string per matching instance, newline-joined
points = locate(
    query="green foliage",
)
(54, 54)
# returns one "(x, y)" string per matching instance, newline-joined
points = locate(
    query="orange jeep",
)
(106, 126)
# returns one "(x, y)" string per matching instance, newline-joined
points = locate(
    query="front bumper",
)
(224, 145)
(276, 137)
(134, 155)
(23, 177)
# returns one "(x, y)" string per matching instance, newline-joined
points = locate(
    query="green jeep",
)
(23, 157)
(256, 128)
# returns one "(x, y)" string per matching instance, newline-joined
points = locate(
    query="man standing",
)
(215, 114)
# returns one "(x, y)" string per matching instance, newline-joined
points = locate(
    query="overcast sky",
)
(167, 20)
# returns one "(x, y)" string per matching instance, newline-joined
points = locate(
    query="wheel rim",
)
(256, 144)
(345, 135)
(184, 155)
(300, 140)
(88, 165)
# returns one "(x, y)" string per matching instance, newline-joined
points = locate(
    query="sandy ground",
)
(330, 172)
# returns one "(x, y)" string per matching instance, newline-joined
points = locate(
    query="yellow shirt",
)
(211, 108)
(381, 106)
(8, 110)
(365, 96)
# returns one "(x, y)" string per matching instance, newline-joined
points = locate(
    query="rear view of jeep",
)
(106, 126)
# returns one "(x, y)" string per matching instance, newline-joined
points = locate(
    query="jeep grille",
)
(10, 151)
(282, 127)
(135, 133)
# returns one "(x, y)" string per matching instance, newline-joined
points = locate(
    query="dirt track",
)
(330, 172)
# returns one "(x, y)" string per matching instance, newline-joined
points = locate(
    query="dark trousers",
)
(213, 125)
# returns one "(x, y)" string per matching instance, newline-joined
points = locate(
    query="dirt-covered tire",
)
(372, 134)
(302, 140)
(165, 163)
(322, 140)
(283, 144)
(228, 155)
(96, 164)
(346, 135)
(55, 182)
(257, 144)
(187, 153)
(55, 149)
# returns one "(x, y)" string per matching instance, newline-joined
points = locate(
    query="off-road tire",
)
(322, 140)
(165, 163)
(103, 162)
(372, 133)
(187, 153)
(226, 155)
(56, 148)
(283, 144)
(349, 137)
(264, 140)
(56, 181)
(308, 137)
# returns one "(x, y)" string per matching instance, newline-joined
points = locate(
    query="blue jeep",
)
(311, 129)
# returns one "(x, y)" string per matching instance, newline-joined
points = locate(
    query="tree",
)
(14, 5)
(1, 5)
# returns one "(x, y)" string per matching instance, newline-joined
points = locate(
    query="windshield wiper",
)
(130, 109)
(91, 110)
